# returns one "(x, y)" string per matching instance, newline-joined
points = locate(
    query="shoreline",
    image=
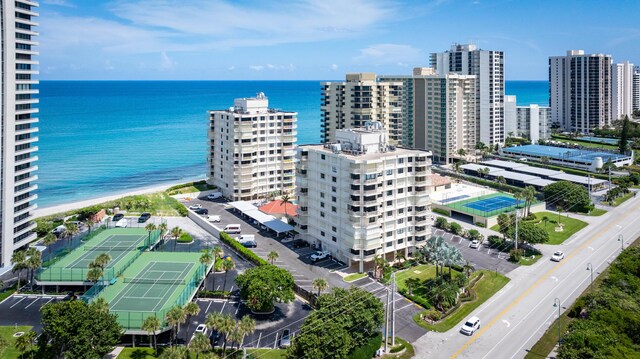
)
(64, 207)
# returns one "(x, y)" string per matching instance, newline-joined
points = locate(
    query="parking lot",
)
(24, 309)
(481, 257)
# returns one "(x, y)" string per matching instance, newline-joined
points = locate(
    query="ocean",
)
(99, 138)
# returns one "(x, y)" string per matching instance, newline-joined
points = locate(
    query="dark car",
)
(299, 243)
(117, 217)
(215, 338)
(249, 244)
(144, 217)
(202, 211)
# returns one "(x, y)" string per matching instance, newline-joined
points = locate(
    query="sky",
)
(317, 39)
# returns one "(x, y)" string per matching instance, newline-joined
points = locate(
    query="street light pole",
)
(590, 267)
(556, 303)
(621, 240)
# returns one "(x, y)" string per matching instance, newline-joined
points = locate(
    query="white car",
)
(202, 329)
(474, 244)
(320, 255)
(214, 195)
(213, 218)
(195, 206)
(470, 326)
(557, 256)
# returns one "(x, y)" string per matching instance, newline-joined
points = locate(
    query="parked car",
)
(299, 243)
(202, 329)
(285, 340)
(202, 211)
(470, 326)
(246, 238)
(213, 218)
(195, 206)
(117, 217)
(320, 255)
(249, 244)
(214, 195)
(557, 256)
(59, 230)
(144, 217)
(232, 228)
(123, 223)
(215, 337)
(474, 244)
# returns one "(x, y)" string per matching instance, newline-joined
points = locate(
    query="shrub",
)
(475, 234)
(179, 207)
(440, 211)
(415, 298)
(441, 223)
(368, 350)
(495, 241)
(214, 294)
(455, 228)
(515, 255)
(432, 314)
(185, 238)
(480, 224)
(240, 249)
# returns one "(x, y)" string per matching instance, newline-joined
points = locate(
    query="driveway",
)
(24, 309)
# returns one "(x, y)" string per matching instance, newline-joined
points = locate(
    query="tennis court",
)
(123, 245)
(563, 154)
(153, 284)
(487, 206)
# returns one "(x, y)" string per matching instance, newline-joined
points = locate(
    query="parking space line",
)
(259, 337)
(23, 298)
(208, 306)
(406, 306)
(30, 304)
(50, 299)
(222, 309)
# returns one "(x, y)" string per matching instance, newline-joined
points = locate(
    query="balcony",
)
(358, 217)
(33, 197)
(26, 170)
(32, 207)
(31, 178)
(27, 150)
(28, 228)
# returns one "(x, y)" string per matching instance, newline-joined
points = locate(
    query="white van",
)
(123, 223)
(232, 228)
(246, 238)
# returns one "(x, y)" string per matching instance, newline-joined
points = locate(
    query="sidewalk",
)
(114, 354)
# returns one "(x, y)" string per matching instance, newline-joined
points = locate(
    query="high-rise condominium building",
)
(252, 149)
(636, 88)
(406, 98)
(621, 90)
(19, 131)
(533, 122)
(510, 115)
(362, 98)
(488, 67)
(360, 197)
(445, 113)
(580, 90)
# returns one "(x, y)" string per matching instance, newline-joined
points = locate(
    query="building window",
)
(334, 209)
(322, 204)
(389, 172)
(334, 169)
(334, 229)
(372, 220)
(333, 238)
(321, 194)
(334, 179)
(322, 214)
(390, 233)
(322, 233)
(322, 157)
(322, 175)
(334, 199)
(334, 189)
(389, 244)
(400, 241)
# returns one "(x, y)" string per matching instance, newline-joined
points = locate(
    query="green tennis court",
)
(489, 205)
(122, 244)
(153, 283)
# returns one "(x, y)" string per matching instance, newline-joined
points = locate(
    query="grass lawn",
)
(4, 295)
(408, 352)
(267, 353)
(147, 353)
(570, 225)
(529, 260)
(421, 272)
(190, 187)
(137, 353)
(618, 201)
(355, 276)
(7, 334)
(486, 287)
(585, 143)
(597, 212)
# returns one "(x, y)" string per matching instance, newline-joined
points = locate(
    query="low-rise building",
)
(252, 149)
(360, 197)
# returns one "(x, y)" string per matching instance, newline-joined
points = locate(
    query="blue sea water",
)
(104, 137)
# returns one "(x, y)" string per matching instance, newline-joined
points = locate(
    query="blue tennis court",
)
(608, 141)
(493, 203)
(561, 153)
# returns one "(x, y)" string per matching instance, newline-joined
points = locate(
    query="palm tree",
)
(175, 233)
(529, 194)
(25, 342)
(163, 228)
(177, 352)
(246, 326)
(378, 264)
(190, 310)
(48, 241)
(150, 227)
(34, 261)
(19, 261)
(213, 320)
(100, 305)
(102, 260)
(206, 259)
(72, 230)
(200, 344)
(468, 268)
(462, 152)
(227, 265)
(319, 284)
(399, 256)
(94, 274)
(89, 223)
(284, 201)
(272, 256)
(217, 251)
(226, 326)
(501, 180)
(3, 344)
(545, 219)
(235, 336)
(151, 325)
(456, 167)
(175, 316)
(545, 160)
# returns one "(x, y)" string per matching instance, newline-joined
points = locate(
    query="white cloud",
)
(166, 63)
(256, 67)
(232, 67)
(272, 67)
(334, 67)
(390, 54)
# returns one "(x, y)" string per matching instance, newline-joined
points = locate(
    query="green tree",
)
(462, 152)
(227, 265)
(501, 180)
(623, 144)
(163, 228)
(190, 309)
(175, 317)
(319, 284)
(272, 256)
(100, 304)
(262, 286)
(213, 321)
(151, 325)
(175, 233)
(19, 261)
(34, 261)
(150, 227)
(102, 260)
(504, 222)
(441, 223)
(468, 268)
(285, 200)
(530, 233)
(246, 326)
(226, 326)
(379, 263)
(4, 344)
(455, 228)
(545, 220)
(70, 231)
(73, 329)
(529, 195)
(545, 160)
(200, 344)
(205, 259)
(49, 240)
(568, 195)
(344, 320)
(94, 274)
(217, 251)
(177, 352)
(25, 342)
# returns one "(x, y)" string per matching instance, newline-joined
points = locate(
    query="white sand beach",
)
(41, 212)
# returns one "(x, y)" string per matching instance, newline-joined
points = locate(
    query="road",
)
(516, 317)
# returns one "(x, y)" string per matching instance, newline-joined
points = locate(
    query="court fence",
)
(133, 319)
(461, 206)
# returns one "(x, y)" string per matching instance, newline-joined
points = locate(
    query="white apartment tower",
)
(445, 113)
(488, 67)
(636, 88)
(360, 99)
(621, 90)
(406, 99)
(510, 115)
(252, 149)
(360, 197)
(533, 122)
(19, 131)
(580, 90)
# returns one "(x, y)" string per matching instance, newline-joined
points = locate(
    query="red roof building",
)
(277, 208)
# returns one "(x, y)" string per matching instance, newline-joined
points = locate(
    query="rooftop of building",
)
(252, 106)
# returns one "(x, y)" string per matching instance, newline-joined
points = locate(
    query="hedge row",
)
(214, 294)
(415, 298)
(241, 250)
(368, 350)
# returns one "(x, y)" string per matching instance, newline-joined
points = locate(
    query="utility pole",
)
(386, 325)
(393, 309)
(517, 212)
(609, 178)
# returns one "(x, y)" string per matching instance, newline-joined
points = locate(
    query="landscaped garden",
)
(8, 348)
(558, 227)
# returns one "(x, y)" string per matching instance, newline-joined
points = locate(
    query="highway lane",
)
(517, 316)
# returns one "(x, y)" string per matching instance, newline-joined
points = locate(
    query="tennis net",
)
(154, 281)
(111, 248)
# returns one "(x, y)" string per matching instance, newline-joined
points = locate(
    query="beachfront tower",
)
(621, 90)
(19, 126)
(359, 197)
(252, 149)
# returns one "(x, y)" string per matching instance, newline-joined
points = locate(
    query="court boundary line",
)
(113, 261)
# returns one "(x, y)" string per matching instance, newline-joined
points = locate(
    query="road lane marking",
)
(536, 284)
(506, 322)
